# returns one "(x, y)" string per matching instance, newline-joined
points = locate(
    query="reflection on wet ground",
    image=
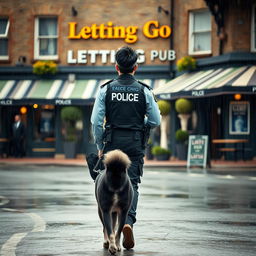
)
(179, 213)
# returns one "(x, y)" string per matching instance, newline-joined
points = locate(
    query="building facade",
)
(220, 36)
(81, 37)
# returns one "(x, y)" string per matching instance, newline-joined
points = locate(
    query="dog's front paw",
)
(105, 244)
(118, 246)
(112, 249)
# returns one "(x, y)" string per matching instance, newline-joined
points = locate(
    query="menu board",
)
(197, 150)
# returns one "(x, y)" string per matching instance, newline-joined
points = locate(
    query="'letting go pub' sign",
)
(151, 30)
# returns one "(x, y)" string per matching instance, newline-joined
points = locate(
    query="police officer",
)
(127, 106)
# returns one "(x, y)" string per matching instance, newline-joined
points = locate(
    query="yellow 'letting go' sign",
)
(151, 29)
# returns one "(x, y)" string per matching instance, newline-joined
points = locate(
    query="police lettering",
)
(6, 102)
(198, 93)
(124, 96)
(63, 102)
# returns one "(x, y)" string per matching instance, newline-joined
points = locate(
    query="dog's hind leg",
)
(110, 233)
(105, 243)
(121, 222)
(114, 226)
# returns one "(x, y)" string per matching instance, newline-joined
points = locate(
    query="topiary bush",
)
(71, 114)
(181, 136)
(164, 107)
(183, 106)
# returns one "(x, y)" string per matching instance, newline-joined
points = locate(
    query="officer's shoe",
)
(128, 240)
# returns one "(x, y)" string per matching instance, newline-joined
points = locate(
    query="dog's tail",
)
(117, 160)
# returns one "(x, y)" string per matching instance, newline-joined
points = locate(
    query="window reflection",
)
(44, 123)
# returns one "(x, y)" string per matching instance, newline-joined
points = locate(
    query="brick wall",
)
(237, 28)
(122, 13)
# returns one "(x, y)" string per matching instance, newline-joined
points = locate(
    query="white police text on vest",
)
(124, 96)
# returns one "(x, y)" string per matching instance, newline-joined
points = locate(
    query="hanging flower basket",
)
(186, 63)
(44, 67)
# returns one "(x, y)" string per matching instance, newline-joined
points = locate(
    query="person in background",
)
(18, 136)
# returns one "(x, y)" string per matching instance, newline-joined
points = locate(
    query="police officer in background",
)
(127, 106)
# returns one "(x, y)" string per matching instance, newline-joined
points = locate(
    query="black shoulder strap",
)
(108, 82)
(144, 85)
(149, 89)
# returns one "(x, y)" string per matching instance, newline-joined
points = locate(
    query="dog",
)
(114, 195)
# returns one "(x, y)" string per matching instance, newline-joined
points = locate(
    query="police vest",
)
(125, 105)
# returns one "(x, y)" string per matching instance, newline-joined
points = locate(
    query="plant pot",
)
(162, 157)
(182, 151)
(148, 153)
(70, 149)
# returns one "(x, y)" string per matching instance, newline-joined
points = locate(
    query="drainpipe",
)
(220, 47)
(172, 72)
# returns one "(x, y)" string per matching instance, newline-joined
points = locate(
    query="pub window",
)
(4, 29)
(44, 128)
(200, 32)
(253, 34)
(46, 38)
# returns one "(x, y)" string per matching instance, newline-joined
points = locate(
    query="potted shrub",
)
(184, 107)
(165, 108)
(161, 154)
(182, 144)
(70, 115)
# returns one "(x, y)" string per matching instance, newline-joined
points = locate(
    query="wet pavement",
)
(51, 210)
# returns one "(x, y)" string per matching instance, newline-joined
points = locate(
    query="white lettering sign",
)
(5, 102)
(165, 96)
(124, 96)
(163, 55)
(108, 56)
(63, 102)
(198, 93)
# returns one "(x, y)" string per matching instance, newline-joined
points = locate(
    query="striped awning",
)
(210, 83)
(56, 92)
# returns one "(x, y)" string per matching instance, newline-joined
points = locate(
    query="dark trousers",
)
(131, 143)
(131, 218)
(17, 147)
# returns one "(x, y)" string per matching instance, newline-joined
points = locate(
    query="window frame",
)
(5, 36)
(37, 55)
(253, 29)
(191, 34)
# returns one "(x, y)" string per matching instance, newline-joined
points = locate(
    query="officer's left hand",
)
(100, 153)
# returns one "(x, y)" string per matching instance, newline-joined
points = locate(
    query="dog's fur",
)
(114, 194)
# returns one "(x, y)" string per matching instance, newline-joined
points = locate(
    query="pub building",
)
(221, 37)
(81, 37)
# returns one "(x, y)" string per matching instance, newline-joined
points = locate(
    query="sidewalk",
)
(148, 163)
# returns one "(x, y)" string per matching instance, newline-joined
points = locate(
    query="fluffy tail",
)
(117, 161)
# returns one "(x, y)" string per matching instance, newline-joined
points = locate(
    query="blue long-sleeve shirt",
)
(152, 118)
